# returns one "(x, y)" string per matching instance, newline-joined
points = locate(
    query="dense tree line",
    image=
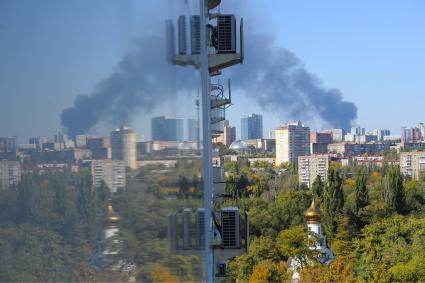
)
(373, 219)
(51, 223)
(49, 227)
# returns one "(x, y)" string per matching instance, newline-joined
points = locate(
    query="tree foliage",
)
(50, 226)
(317, 187)
(333, 201)
(394, 194)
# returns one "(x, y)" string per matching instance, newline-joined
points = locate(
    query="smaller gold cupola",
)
(111, 218)
(312, 214)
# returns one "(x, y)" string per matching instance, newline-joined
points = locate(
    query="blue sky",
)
(53, 50)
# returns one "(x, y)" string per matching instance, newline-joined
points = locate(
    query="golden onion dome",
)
(111, 217)
(312, 214)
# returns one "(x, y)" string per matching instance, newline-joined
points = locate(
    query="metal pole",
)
(206, 135)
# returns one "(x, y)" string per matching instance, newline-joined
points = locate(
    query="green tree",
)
(415, 195)
(342, 244)
(391, 249)
(394, 194)
(333, 201)
(236, 185)
(269, 271)
(295, 243)
(183, 183)
(317, 187)
(60, 199)
(103, 193)
(25, 200)
(262, 249)
(361, 195)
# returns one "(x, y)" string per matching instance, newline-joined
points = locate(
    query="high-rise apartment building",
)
(320, 137)
(410, 135)
(252, 127)
(421, 127)
(10, 173)
(37, 141)
(61, 137)
(309, 167)
(111, 172)
(123, 146)
(358, 131)
(192, 129)
(81, 141)
(100, 147)
(412, 164)
(337, 135)
(319, 142)
(355, 149)
(366, 138)
(167, 128)
(8, 144)
(381, 133)
(292, 140)
(228, 136)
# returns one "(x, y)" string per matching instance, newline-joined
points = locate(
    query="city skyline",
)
(189, 124)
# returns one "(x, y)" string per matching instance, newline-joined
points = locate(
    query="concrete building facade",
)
(319, 142)
(262, 144)
(381, 133)
(292, 140)
(354, 149)
(337, 135)
(10, 173)
(228, 136)
(252, 127)
(111, 172)
(123, 146)
(309, 167)
(410, 135)
(8, 144)
(165, 128)
(412, 164)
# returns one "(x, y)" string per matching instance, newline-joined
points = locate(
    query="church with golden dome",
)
(107, 255)
(313, 217)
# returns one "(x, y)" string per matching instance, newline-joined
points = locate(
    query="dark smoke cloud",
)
(277, 79)
(274, 77)
(139, 83)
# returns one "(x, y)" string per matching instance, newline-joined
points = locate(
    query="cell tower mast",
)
(204, 39)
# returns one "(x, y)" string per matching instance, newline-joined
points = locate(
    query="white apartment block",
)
(309, 167)
(10, 173)
(412, 164)
(111, 172)
(337, 135)
(292, 140)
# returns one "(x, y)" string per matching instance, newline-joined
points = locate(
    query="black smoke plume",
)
(274, 77)
(277, 79)
(139, 83)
